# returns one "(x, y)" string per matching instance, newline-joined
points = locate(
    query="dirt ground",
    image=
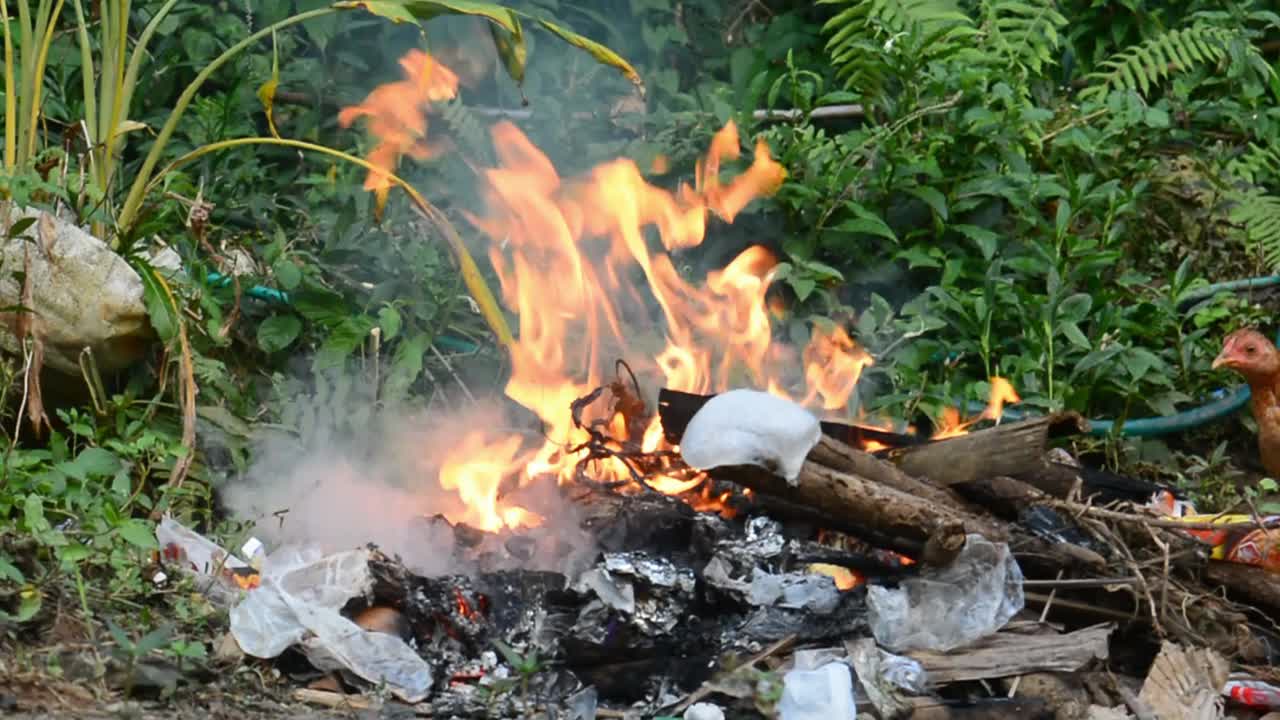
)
(34, 694)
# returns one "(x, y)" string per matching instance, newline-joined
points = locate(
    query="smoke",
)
(358, 475)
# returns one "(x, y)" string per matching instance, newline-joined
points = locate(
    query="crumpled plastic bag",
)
(299, 602)
(951, 607)
(749, 427)
(221, 576)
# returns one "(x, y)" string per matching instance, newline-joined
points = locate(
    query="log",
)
(1254, 583)
(840, 456)
(899, 520)
(1008, 654)
(870, 505)
(1015, 449)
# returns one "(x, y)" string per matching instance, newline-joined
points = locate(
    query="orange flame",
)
(1002, 393)
(577, 260)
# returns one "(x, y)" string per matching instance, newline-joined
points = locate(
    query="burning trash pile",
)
(747, 542)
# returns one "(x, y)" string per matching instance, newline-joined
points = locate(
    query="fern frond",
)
(1258, 165)
(859, 33)
(1023, 32)
(1150, 63)
(1259, 214)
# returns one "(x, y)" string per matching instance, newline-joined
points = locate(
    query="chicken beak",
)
(1223, 360)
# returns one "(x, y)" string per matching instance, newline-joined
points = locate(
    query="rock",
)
(83, 292)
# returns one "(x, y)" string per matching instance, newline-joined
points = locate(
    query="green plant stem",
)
(141, 183)
(10, 95)
(471, 275)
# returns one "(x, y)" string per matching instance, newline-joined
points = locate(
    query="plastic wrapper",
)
(299, 603)
(813, 592)
(903, 673)
(1242, 544)
(947, 608)
(225, 576)
(822, 694)
(748, 427)
(703, 711)
(1252, 693)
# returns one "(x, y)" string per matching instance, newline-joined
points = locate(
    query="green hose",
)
(1225, 402)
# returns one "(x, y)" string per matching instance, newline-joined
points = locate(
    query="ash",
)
(646, 618)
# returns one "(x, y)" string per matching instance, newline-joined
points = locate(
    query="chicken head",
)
(1251, 354)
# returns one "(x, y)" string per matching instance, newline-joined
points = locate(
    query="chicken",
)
(1251, 354)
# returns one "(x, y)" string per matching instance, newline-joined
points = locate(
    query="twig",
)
(1079, 510)
(17, 424)
(449, 366)
(1044, 615)
(1164, 583)
(708, 688)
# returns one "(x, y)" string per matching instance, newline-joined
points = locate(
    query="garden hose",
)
(1224, 403)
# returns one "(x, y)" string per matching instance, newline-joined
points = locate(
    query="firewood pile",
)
(983, 575)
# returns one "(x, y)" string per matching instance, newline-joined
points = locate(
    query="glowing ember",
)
(578, 261)
(846, 579)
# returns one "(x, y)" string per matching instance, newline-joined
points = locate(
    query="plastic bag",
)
(951, 607)
(299, 603)
(748, 427)
(822, 694)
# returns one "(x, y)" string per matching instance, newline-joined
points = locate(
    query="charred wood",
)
(1014, 449)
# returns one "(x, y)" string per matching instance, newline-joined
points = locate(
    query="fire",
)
(1002, 393)
(578, 261)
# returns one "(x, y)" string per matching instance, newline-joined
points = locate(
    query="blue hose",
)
(279, 297)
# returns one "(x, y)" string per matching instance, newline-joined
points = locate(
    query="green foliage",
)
(1145, 66)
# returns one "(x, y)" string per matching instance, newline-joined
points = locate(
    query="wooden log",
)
(897, 518)
(1252, 583)
(877, 507)
(1008, 654)
(1014, 449)
(839, 456)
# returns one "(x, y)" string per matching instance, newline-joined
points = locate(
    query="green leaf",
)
(154, 640)
(29, 602)
(139, 533)
(933, 198)
(414, 11)
(389, 320)
(511, 49)
(1156, 118)
(868, 225)
(1075, 308)
(162, 308)
(10, 571)
(267, 93)
(406, 365)
(988, 242)
(20, 226)
(287, 273)
(342, 341)
(92, 463)
(278, 332)
(601, 53)
(1072, 331)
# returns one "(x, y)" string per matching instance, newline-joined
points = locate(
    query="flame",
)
(578, 261)
(1002, 393)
